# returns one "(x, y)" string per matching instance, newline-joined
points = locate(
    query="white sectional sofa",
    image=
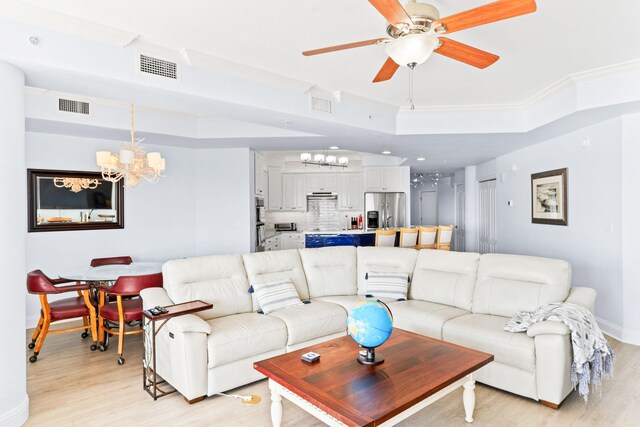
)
(463, 298)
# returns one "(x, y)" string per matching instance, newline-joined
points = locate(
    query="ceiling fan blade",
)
(387, 71)
(342, 47)
(393, 12)
(492, 12)
(465, 53)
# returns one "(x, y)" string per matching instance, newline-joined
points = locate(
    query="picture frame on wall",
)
(549, 203)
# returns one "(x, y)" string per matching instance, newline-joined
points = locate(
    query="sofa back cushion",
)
(445, 277)
(220, 280)
(508, 284)
(383, 260)
(330, 271)
(263, 267)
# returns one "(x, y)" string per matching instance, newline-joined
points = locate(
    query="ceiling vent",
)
(158, 67)
(72, 106)
(321, 105)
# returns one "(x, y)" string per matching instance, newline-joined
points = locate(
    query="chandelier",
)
(324, 160)
(76, 185)
(132, 163)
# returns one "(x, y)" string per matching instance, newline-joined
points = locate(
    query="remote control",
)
(311, 357)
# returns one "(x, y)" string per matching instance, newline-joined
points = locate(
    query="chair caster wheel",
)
(84, 335)
(93, 347)
(102, 347)
(120, 360)
(31, 346)
(33, 359)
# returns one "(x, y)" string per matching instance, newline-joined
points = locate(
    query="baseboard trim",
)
(18, 415)
(621, 334)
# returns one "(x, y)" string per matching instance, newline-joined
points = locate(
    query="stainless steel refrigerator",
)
(384, 210)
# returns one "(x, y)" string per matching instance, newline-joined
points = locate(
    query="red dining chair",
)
(67, 308)
(123, 311)
(97, 262)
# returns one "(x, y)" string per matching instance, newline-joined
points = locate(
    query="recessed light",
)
(420, 159)
(386, 152)
(334, 147)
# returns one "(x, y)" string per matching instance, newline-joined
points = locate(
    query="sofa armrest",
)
(585, 297)
(548, 327)
(188, 323)
(152, 297)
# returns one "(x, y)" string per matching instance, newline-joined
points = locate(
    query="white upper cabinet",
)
(383, 179)
(294, 192)
(260, 174)
(350, 194)
(274, 202)
(322, 182)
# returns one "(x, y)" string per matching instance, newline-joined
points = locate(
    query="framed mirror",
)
(73, 200)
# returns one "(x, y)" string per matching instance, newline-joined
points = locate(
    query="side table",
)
(149, 375)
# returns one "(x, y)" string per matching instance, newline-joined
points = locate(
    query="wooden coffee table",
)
(339, 391)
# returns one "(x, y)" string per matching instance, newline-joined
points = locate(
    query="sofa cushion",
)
(387, 285)
(277, 295)
(445, 277)
(330, 271)
(220, 280)
(508, 284)
(243, 335)
(383, 260)
(484, 333)
(271, 266)
(422, 317)
(347, 302)
(310, 321)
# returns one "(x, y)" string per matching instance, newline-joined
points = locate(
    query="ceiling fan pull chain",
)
(411, 67)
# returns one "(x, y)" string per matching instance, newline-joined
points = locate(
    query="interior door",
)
(428, 208)
(487, 216)
(458, 242)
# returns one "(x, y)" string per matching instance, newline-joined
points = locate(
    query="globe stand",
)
(369, 357)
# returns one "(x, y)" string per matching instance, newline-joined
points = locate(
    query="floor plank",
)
(70, 385)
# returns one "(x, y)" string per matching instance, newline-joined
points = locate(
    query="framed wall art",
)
(549, 201)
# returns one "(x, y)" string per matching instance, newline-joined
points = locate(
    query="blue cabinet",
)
(322, 240)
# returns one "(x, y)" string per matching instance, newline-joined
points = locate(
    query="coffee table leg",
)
(276, 405)
(469, 399)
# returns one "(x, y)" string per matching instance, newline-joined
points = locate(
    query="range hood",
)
(322, 195)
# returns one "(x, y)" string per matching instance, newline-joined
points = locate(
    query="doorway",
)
(458, 242)
(428, 208)
(487, 217)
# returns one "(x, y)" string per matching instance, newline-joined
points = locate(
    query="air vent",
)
(72, 106)
(158, 67)
(321, 105)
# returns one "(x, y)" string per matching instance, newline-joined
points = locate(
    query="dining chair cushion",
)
(68, 308)
(275, 295)
(132, 310)
(387, 285)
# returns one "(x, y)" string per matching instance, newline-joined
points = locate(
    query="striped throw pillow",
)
(387, 285)
(276, 295)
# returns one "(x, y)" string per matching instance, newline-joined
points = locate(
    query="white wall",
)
(224, 201)
(592, 241)
(446, 202)
(415, 200)
(159, 218)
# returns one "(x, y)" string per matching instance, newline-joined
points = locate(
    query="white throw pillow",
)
(387, 285)
(276, 295)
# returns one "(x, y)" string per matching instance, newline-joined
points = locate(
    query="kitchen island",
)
(320, 239)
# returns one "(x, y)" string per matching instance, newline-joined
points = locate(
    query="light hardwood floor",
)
(71, 385)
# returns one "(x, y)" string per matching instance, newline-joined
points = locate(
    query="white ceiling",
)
(562, 37)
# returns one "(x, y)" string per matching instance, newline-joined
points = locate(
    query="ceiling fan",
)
(416, 30)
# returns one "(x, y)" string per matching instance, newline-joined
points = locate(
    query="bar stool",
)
(386, 237)
(444, 237)
(427, 238)
(408, 237)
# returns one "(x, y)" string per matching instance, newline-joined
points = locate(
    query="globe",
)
(370, 324)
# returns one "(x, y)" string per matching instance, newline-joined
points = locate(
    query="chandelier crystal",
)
(132, 163)
(76, 185)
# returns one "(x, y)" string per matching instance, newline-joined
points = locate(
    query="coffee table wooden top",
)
(415, 367)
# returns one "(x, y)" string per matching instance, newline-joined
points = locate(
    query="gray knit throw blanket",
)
(592, 356)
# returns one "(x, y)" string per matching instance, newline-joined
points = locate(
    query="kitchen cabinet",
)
(383, 179)
(259, 174)
(274, 198)
(350, 194)
(291, 241)
(294, 192)
(322, 182)
(272, 244)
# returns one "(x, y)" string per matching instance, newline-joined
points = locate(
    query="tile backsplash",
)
(321, 214)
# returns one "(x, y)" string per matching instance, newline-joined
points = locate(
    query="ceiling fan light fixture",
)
(412, 48)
